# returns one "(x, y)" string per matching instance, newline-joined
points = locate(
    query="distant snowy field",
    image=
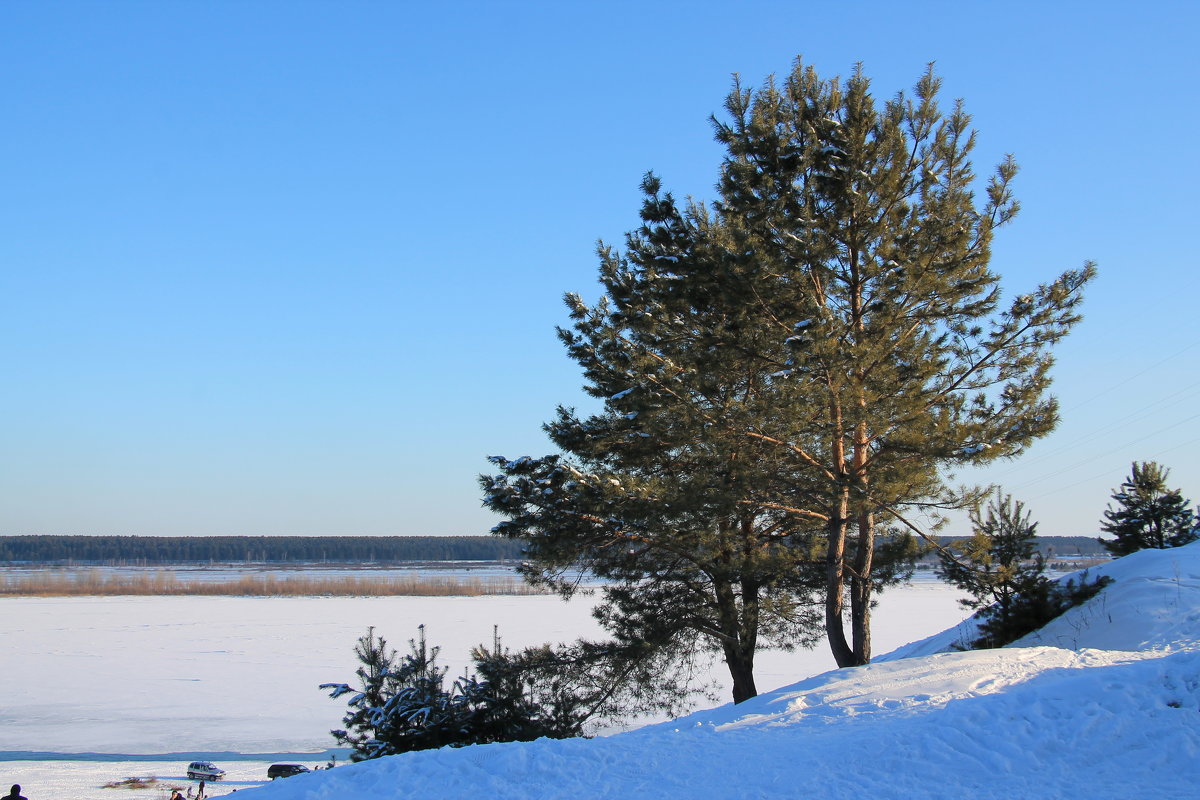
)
(113, 680)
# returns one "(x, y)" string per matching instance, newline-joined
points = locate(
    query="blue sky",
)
(294, 268)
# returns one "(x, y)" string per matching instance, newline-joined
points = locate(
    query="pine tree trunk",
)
(860, 579)
(739, 639)
(864, 557)
(741, 669)
(835, 564)
(860, 590)
(748, 627)
(834, 576)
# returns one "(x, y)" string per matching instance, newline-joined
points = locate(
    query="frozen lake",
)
(143, 675)
(116, 679)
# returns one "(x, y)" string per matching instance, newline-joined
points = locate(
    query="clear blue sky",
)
(294, 268)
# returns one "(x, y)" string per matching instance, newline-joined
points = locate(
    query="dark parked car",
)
(285, 770)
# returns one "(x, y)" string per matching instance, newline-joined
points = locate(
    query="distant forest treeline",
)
(1057, 546)
(322, 549)
(275, 549)
(1070, 546)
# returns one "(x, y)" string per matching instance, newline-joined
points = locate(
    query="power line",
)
(1134, 376)
(1092, 458)
(1169, 401)
(1106, 472)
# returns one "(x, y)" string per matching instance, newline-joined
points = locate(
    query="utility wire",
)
(1133, 377)
(1106, 472)
(1170, 400)
(1092, 458)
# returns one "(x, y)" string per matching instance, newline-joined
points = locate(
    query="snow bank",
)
(1115, 715)
(1151, 604)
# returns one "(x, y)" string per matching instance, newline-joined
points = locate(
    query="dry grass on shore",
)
(96, 582)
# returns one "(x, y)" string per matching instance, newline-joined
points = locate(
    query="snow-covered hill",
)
(1102, 703)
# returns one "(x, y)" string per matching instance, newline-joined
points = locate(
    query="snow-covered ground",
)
(85, 780)
(1104, 704)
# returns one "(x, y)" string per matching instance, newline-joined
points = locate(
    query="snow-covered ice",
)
(85, 780)
(148, 675)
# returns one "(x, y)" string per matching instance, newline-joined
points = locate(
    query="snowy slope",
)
(1114, 715)
(1152, 604)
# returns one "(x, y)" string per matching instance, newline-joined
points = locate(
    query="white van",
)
(204, 771)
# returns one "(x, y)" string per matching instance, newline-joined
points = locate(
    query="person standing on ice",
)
(14, 794)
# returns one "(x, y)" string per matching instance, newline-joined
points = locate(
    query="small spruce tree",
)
(403, 704)
(1000, 559)
(1147, 514)
(1000, 567)
(389, 711)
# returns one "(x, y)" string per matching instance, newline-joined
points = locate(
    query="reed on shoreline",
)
(95, 582)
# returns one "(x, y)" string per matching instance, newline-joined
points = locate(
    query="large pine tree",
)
(798, 364)
(1147, 513)
(676, 514)
(859, 250)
